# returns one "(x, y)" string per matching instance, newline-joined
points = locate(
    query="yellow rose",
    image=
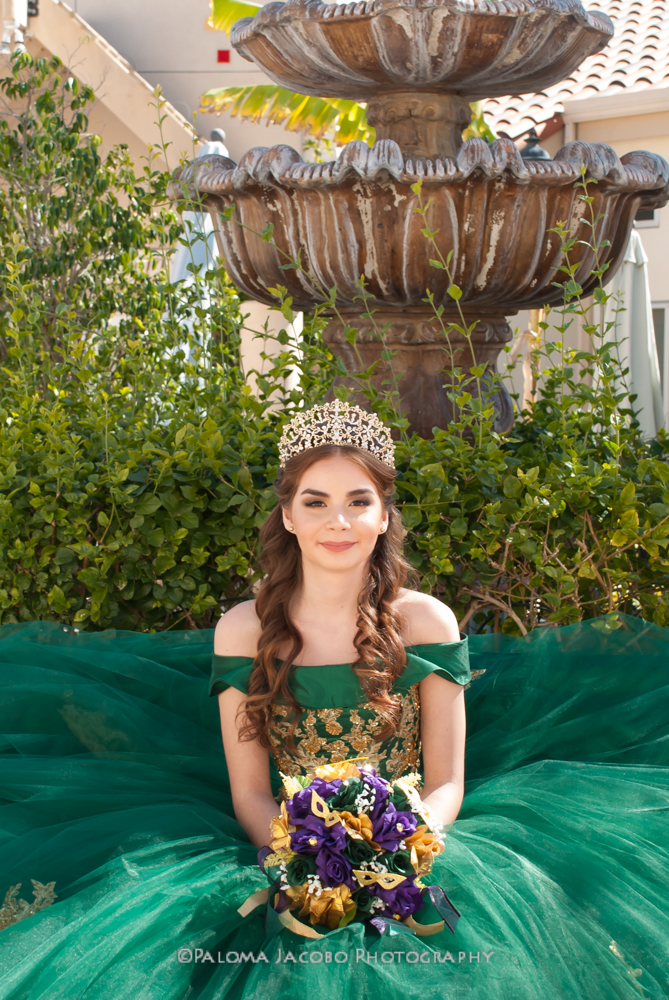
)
(344, 769)
(328, 908)
(426, 846)
(280, 830)
(296, 894)
(358, 827)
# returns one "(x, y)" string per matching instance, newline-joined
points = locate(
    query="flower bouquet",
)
(350, 845)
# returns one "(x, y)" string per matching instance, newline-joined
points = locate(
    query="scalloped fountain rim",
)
(279, 12)
(283, 166)
(297, 45)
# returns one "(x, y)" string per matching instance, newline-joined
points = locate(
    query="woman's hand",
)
(443, 728)
(248, 768)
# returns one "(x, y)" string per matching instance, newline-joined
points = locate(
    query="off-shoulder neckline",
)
(321, 666)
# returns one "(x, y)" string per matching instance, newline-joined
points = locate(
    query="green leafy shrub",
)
(136, 465)
(105, 365)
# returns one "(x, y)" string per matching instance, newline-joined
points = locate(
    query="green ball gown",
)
(113, 786)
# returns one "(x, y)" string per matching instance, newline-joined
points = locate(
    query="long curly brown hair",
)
(381, 654)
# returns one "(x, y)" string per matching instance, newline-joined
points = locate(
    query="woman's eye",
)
(364, 503)
(314, 503)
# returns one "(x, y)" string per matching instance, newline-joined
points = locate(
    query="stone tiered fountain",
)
(418, 64)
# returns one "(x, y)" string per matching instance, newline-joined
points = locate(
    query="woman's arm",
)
(237, 634)
(248, 768)
(443, 726)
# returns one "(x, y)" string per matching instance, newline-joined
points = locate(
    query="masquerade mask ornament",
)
(337, 423)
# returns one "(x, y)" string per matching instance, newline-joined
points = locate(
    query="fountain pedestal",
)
(423, 125)
(423, 359)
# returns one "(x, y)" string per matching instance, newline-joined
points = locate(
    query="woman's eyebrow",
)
(351, 493)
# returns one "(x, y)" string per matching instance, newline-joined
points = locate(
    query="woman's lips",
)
(337, 546)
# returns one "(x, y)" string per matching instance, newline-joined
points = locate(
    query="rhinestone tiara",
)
(336, 423)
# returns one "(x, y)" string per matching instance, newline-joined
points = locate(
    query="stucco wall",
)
(124, 111)
(169, 43)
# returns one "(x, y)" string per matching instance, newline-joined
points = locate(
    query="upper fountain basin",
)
(477, 48)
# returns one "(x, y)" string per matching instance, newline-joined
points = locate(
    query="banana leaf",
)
(296, 112)
(224, 13)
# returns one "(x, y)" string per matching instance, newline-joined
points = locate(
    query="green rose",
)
(397, 862)
(363, 900)
(399, 800)
(358, 851)
(298, 869)
(347, 794)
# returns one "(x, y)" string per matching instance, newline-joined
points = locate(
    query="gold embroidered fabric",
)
(328, 735)
(14, 908)
(474, 675)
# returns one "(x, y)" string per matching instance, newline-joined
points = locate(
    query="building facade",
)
(620, 97)
(169, 43)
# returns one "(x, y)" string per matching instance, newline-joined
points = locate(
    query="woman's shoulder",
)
(430, 628)
(425, 619)
(238, 631)
(235, 643)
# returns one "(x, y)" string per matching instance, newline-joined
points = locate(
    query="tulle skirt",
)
(113, 786)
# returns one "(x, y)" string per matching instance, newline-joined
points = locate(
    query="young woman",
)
(332, 611)
(115, 792)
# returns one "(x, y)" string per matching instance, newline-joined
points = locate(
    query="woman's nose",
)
(339, 520)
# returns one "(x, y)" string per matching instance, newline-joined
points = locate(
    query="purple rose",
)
(313, 835)
(404, 900)
(333, 869)
(381, 793)
(310, 837)
(299, 806)
(325, 788)
(391, 827)
(336, 838)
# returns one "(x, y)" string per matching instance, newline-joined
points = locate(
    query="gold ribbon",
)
(297, 927)
(305, 930)
(286, 918)
(424, 930)
(256, 899)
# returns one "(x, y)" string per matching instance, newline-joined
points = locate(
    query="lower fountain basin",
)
(356, 216)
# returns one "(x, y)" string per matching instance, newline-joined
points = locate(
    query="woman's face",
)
(336, 514)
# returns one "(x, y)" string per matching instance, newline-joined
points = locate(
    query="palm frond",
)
(224, 13)
(296, 112)
(478, 127)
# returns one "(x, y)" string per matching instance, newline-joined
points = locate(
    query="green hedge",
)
(116, 520)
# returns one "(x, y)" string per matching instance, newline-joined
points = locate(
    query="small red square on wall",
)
(224, 55)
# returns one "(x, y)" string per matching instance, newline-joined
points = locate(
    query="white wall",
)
(261, 326)
(169, 43)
